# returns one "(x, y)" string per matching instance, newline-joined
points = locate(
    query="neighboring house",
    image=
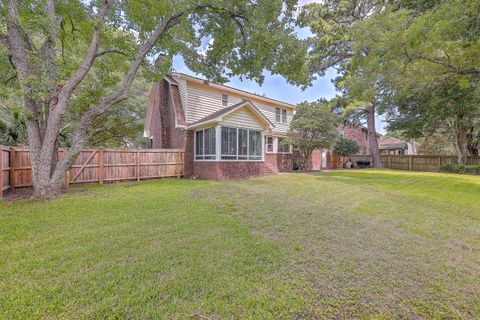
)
(360, 135)
(394, 146)
(226, 133)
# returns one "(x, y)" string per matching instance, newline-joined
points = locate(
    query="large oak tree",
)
(332, 23)
(56, 51)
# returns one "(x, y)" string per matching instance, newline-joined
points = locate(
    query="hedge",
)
(460, 168)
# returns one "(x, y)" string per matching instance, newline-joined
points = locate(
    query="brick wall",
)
(167, 115)
(189, 154)
(277, 162)
(155, 125)
(177, 118)
(359, 135)
(223, 170)
(315, 161)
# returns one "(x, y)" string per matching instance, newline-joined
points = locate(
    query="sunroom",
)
(235, 133)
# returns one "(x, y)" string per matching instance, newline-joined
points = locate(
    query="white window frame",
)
(277, 145)
(203, 143)
(283, 115)
(222, 100)
(266, 144)
(235, 156)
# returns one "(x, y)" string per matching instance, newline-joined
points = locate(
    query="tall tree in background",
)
(332, 22)
(425, 67)
(109, 41)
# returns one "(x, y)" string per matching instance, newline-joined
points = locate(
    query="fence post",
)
(179, 155)
(67, 173)
(12, 169)
(1, 172)
(100, 166)
(439, 162)
(138, 164)
(410, 163)
(389, 161)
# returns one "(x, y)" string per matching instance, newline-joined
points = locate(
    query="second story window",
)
(224, 100)
(280, 115)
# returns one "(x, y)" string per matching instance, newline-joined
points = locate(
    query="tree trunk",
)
(461, 143)
(306, 159)
(49, 190)
(372, 136)
(473, 139)
(48, 184)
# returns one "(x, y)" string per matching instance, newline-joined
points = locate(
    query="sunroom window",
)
(241, 144)
(205, 144)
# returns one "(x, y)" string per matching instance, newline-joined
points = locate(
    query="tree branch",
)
(454, 69)
(87, 63)
(101, 53)
(121, 94)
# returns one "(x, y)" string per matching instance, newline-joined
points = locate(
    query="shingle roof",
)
(392, 143)
(401, 145)
(226, 110)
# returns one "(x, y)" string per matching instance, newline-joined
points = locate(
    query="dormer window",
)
(280, 115)
(224, 100)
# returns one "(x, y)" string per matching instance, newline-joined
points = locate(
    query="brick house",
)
(226, 132)
(358, 134)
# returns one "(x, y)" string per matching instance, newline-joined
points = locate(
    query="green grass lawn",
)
(357, 244)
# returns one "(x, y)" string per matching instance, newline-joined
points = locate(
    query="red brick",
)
(277, 162)
(223, 170)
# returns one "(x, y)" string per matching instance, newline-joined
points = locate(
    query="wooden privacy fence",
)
(417, 162)
(96, 166)
(4, 169)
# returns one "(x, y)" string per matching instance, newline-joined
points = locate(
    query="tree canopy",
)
(313, 127)
(72, 61)
(418, 63)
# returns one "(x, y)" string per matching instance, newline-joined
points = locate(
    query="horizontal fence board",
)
(96, 166)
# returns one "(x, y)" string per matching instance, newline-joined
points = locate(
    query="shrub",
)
(346, 147)
(460, 168)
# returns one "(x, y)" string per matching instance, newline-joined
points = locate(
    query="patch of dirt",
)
(27, 193)
(18, 194)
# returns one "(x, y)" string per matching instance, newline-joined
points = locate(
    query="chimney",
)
(413, 142)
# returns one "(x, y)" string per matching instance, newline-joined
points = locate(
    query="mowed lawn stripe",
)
(143, 251)
(353, 244)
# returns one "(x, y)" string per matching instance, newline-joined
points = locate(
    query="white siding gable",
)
(202, 100)
(243, 118)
